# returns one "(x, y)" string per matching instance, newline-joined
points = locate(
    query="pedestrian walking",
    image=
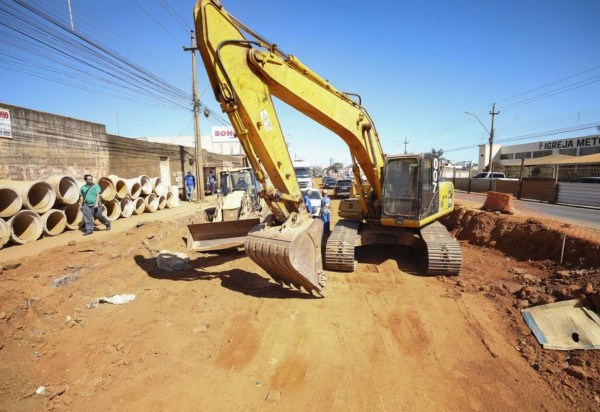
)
(190, 184)
(91, 205)
(325, 212)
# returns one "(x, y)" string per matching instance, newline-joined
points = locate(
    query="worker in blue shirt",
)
(190, 184)
(306, 199)
(325, 212)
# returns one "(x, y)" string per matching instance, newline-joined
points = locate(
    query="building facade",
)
(506, 155)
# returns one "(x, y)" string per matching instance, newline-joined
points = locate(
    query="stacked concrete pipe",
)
(73, 215)
(151, 203)
(146, 184)
(65, 188)
(162, 202)
(109, 191)
(155, 181)
(54, 222)
(10, 201)
(161, 189)
(170, 200)
(174, 190)
(113, 209)
(134, 189)
(126, 207)
(38, 196)
(25, 226)
(139, 205)
(120, 186)
(4, 233)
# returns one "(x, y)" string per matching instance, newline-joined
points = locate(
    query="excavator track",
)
(339, 251)
(442, 255)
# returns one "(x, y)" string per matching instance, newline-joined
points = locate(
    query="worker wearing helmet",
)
(325, 212)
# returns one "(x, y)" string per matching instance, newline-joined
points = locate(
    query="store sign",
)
(223, 134)
(591, 141)
(5, 124)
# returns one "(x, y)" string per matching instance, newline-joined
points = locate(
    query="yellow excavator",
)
(399, 204)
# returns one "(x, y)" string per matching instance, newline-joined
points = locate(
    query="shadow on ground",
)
(237, 280)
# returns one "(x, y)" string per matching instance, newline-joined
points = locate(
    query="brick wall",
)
(44, 144)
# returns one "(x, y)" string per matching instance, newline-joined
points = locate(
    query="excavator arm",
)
(245, 71)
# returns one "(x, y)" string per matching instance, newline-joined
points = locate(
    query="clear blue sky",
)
(417, 66)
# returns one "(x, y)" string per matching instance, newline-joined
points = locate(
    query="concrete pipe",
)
(155, 181)
(38, 196)
(113, 209)
(126, 207)
(134, 189)
(65, 188)
(4, 233)
(174, 190)
(162, 202)
(160, 190)
(146, 184)
(170, 200)
(139, 205)
(25, 227)
(151, 203)
(109, 191)
(74, 216)
(120, 186)
(10, 201)
(54, 222)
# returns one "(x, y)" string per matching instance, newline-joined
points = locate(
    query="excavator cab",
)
(412, 189)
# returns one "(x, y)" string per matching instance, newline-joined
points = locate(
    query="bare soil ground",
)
(222, 336)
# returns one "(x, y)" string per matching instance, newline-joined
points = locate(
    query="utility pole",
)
(493, 113)
(71, 15)
(405, 143)
(198, 144)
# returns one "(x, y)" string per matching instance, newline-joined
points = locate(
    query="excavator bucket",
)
(205, 237)
(290, 253)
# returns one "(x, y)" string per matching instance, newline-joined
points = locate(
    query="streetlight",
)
(491, 133)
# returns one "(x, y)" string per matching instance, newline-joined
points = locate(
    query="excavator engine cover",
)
(290, 253)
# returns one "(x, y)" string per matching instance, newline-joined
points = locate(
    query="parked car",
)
(342, 187)
(315, 201)
(587, 180)
(486, 175)
(328, 182)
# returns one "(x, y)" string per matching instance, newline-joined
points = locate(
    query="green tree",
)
(336, 167)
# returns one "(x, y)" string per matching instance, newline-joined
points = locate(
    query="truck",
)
(400, 203)
(302, 172)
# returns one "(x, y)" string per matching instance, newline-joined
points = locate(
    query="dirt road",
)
(222, 336)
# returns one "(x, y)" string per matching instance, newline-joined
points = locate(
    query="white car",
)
(315, 201)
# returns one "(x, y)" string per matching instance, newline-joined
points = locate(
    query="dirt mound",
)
(526, 238)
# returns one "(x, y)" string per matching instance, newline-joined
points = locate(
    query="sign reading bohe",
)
(5, 124)
(223, 134)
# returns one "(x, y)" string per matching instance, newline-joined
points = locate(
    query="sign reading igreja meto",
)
(5, 124)
(590, 141)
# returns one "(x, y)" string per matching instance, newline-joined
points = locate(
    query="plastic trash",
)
(115, 300)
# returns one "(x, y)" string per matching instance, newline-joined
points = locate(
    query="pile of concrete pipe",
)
(30, 209)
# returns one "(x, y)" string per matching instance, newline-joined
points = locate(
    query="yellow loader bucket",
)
(204, 237)
(290, 253)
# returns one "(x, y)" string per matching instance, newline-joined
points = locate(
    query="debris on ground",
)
(115, 300)
(172, 261)
(566, 325)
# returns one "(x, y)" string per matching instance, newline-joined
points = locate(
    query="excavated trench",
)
(524, 238)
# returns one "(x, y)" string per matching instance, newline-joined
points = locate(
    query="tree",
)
(439, 152)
